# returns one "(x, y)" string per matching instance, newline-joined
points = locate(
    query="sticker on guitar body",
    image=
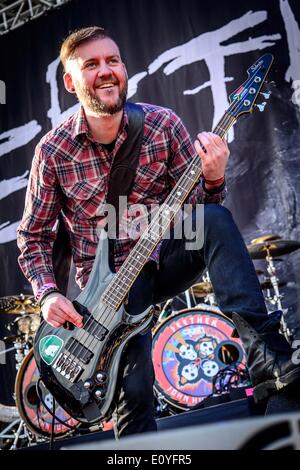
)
(50, 347)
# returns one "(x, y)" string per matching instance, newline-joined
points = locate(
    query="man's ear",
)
(68, 82)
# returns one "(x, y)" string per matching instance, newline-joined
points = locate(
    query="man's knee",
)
(217, 216)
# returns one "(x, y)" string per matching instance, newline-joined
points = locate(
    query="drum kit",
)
(195, 353)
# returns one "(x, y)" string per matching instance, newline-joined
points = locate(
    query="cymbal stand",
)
(19, 434)
(22, 349)
(164, 312)
(209, 298)
(276, 298)
(17, 430)
(188, 298)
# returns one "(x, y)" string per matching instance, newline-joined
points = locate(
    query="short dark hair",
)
(77, 37)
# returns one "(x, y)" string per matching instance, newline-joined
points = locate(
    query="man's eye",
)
(90, 65)
(113, 61)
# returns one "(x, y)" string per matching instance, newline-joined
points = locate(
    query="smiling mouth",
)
(105, 86)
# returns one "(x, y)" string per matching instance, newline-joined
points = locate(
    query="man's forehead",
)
(96, 47)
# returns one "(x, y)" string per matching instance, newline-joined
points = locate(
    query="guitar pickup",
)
(79, 351)
(91, 325)
(94, 328)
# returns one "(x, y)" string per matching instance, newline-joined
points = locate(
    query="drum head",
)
(189, 350)
(32, 411)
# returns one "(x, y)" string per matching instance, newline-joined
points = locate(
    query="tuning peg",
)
(266, 95)
(261, 106)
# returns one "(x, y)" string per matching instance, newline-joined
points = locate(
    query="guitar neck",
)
(117, 290)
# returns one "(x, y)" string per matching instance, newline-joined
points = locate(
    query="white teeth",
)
(107, 85)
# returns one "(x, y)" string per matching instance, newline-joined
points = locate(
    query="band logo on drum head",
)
(188, 353)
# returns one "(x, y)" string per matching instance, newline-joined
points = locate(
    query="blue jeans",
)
(236, 287)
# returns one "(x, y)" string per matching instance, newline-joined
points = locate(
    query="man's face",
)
(98, 76)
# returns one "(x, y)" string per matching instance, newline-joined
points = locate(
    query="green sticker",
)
(50, 347)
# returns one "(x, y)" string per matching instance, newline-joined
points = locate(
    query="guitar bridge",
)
(67, 366)
(67, 362)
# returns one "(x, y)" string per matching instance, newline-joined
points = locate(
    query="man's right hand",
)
(57, 310)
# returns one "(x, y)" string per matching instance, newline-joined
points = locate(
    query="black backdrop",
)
(183, 54)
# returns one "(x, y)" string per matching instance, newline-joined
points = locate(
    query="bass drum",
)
(31, 410)
(189, 350)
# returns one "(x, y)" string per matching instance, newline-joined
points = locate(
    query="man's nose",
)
(104, 70)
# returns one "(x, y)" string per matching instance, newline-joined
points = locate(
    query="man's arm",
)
(37, 232)
(35, 237)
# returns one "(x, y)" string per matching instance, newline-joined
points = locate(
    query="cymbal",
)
(19, 305)
(265, 238)
(274, 247)
(202, 289)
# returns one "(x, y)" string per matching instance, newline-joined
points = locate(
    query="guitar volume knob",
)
(98, 394)
(100, 377)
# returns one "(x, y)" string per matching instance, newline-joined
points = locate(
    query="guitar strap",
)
(123, 170)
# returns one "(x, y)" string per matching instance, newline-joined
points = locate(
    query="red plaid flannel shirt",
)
(70, 173)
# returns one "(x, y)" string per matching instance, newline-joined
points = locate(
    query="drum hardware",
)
(20, 347)
(268, 247)
(17, 431)
(205, 290)
(188, 299)
(20, 434)
(156, 312)
(166, 310)
(161, 406)
(202, 289)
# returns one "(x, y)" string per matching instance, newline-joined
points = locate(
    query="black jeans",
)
(236, 288)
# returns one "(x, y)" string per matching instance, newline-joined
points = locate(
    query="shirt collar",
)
(81, 128)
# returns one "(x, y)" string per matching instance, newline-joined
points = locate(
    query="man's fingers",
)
(218, 141)
(63, 315)
(72, 316)
(200, 149)
(60, 310)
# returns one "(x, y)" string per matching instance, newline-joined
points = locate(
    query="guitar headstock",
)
(243, 99)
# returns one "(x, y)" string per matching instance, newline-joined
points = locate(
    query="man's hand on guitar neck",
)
(214, 153)
(58, 310)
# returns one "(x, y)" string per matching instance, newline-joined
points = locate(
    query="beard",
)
(95, 104)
